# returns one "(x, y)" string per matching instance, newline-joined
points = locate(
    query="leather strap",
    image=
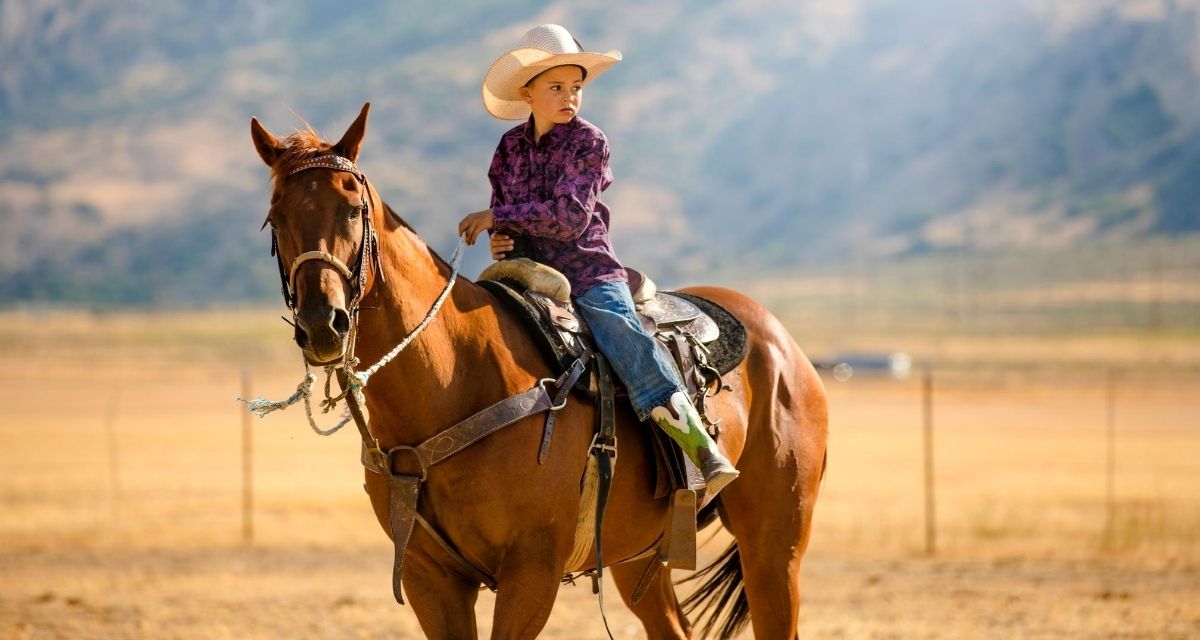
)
(465, 433)
(608, 407)
(687, 365)
(322, 256)
(370, 444)
(469, 569)
(402, 512)
(565, 382)
(648, 575)
(678, 550)
(483, 424)
(605, 450)
(404, 488)
(284, 287)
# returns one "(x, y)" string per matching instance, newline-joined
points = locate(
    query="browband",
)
(329, 161)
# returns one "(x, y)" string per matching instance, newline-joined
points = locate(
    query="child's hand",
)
(501, 244)
(474, 224)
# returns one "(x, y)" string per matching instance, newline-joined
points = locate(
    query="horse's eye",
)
(355, 211)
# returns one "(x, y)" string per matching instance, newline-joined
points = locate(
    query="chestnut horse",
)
(506, 514)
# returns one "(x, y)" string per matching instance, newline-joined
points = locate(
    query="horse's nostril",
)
(301, 337)
(341, 322)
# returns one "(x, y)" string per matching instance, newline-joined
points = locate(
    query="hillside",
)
(814, 132)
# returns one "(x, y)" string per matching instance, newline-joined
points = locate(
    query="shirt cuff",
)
(511, 216)
(502, 216)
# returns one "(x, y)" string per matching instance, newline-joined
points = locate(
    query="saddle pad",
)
(730, 349)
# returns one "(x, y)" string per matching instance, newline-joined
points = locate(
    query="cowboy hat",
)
(541, 48)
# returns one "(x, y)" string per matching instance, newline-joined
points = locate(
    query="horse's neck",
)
(425, 386)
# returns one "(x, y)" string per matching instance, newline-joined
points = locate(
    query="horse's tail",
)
(720, 595)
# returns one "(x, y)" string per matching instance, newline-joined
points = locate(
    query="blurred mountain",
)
(745, 135)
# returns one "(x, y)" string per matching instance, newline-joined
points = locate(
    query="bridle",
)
(368, 250)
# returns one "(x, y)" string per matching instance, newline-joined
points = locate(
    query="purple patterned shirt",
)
(550, 191)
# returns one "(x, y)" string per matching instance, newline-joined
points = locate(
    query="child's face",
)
(556, 95)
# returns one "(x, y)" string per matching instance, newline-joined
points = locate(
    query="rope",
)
(261, 406)
(455, 261)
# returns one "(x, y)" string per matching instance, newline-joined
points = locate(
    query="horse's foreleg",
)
(443, 602)
(659, 608)
(528, 585)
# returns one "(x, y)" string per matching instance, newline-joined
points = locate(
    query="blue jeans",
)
(636, 358)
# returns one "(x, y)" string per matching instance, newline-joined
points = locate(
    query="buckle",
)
(390, 456)
(605, 446)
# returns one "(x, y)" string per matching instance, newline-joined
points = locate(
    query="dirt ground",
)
(121, 506)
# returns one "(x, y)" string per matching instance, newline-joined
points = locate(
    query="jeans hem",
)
(658, 399)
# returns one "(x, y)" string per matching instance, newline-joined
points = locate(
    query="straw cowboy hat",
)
(541, 48)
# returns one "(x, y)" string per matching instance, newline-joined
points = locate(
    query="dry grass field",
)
(121, 494)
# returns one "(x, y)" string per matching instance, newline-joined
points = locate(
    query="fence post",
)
(930, 514)
(114, 460)
(247, 465)
(1110, 401)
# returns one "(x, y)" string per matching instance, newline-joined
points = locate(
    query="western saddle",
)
(540, 295)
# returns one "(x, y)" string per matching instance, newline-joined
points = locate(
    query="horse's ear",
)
(267, 145)
(351, 142)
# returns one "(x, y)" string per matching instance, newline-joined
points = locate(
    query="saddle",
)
(704, 341)
(713, 340)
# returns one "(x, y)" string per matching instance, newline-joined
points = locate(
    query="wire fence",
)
(946, 461)
(1014, 461)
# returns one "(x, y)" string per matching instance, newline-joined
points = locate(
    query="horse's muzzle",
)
(321, 333)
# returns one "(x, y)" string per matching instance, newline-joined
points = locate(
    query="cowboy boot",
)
(681, 421)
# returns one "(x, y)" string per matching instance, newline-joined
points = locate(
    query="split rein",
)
(355, 381)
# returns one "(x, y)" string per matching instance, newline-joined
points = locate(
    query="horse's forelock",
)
(305, 144)
(302, 145)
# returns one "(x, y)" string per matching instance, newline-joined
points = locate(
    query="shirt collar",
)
(556, 135)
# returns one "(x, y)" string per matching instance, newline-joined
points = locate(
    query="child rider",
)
(547, 176)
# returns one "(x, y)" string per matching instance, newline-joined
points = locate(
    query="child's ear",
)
(525, 94)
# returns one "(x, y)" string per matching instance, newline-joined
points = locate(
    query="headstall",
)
(368, 251)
